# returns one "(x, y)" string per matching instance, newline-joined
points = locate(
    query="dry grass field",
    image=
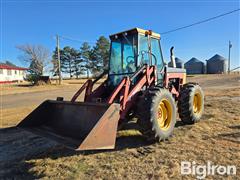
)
(26, 87)
(216, 138)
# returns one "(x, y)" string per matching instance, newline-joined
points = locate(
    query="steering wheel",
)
(128, 59)
(142, 53)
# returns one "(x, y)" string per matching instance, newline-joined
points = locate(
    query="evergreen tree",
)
(71, 62)
(74, 62)
(85, 50)
(99, 56)
(66, 61)
(78, 67)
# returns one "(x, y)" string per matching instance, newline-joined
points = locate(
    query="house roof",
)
(11, 66)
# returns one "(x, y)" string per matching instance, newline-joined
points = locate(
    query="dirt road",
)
(216, 139)
(34, 98)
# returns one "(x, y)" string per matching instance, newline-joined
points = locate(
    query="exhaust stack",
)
(172, 57)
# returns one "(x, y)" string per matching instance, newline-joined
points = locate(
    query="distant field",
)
(26, 87)
(216, 138)
(7, 89)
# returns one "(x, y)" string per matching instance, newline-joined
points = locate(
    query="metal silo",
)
(194, 66)
(179, 63)
(216, 65)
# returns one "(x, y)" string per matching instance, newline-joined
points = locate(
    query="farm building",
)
(179, 63)
(11, 73)
(194, 66)
(216, 65)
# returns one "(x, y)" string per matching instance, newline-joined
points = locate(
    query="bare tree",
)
(37, 56)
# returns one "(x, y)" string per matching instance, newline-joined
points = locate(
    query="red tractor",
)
(138, 81)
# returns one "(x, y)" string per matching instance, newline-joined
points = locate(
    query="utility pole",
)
(229, 51)
(59, 62)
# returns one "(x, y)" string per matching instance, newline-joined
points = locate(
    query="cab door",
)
(156, 51)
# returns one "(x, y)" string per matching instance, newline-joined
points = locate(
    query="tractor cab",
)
(130, 50)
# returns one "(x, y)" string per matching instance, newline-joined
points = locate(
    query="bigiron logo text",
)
(204, 170)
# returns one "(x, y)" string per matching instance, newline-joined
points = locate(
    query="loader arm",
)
(88, 87)
(127, 96)
(124, 92)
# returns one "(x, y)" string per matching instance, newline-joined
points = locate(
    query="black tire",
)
(188, 112)
(156, 100)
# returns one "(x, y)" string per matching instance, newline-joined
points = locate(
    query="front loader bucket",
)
(78, 125)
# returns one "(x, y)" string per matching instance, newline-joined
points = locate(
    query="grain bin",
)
(179, 63)
(216, 65)
(194, 66)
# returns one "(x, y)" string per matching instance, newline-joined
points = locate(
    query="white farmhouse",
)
(11, 73)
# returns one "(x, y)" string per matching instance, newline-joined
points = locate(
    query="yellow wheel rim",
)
(164, 116)
(197, 103)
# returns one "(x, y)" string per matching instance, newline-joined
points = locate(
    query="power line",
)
(75, 40)
(166, 32)
(200, 22)
(235, 68)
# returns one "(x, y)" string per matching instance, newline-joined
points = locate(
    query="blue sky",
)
(37, 22)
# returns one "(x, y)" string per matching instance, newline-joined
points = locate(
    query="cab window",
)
(143, 55)
(156, 51)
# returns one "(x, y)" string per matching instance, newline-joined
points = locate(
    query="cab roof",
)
(139, 31)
